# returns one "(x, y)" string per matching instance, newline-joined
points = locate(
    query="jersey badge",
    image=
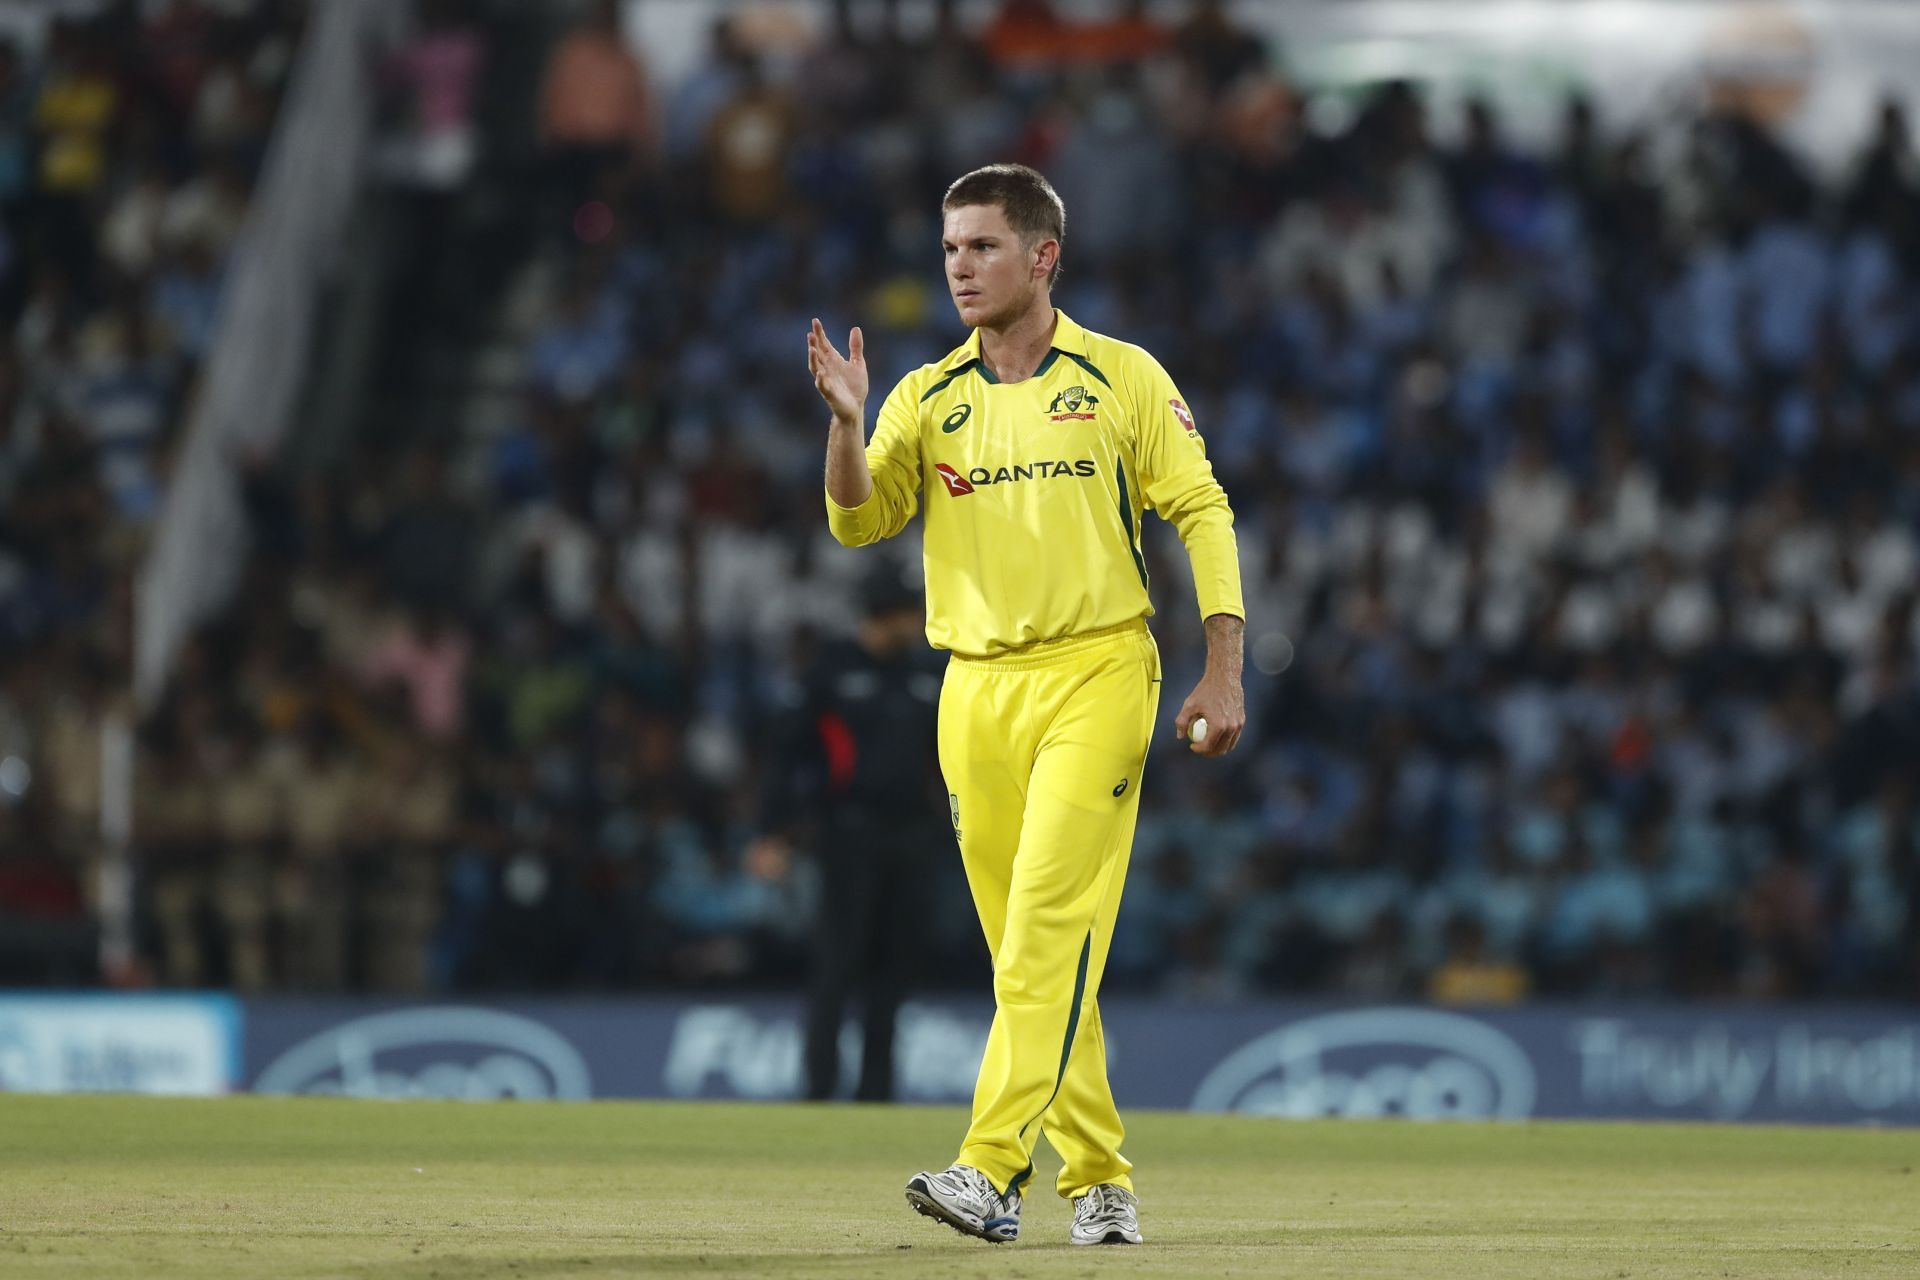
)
(1073, 404)
(1185, 415)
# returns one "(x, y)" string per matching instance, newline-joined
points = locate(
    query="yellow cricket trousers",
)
(1042, 749)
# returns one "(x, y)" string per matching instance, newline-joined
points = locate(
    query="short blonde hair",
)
(1033, 208)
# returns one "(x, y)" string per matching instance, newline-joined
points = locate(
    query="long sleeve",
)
(1177, 480)
(893, 460)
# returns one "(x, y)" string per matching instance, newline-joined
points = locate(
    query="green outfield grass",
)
(316, 1187)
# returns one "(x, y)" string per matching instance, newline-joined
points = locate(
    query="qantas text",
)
(1031, 470)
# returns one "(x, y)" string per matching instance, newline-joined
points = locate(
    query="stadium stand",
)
(1578, 496)
(128, 143)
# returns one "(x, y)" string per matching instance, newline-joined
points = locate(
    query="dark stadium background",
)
(410, 514)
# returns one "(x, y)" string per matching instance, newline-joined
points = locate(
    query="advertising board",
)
(184, 1044)
(1283, 1059)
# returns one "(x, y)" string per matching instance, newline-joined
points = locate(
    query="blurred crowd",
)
(129, 140)
(1577, 487)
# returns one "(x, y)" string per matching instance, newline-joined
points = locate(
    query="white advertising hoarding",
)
(119, 1044)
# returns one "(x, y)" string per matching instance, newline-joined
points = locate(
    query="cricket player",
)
(1035, 447)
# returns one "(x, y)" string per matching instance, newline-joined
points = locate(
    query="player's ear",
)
(1045, 255)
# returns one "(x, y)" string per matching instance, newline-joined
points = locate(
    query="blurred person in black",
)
(853, 774)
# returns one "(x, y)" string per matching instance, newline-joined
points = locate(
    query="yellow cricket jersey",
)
(1034, 492)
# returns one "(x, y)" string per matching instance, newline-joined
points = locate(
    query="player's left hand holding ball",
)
(1218, 700)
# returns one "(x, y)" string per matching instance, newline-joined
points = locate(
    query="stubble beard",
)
(1017, 306)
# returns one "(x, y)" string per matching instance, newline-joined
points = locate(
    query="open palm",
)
(840, 380)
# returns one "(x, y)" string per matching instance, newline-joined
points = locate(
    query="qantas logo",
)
(960, 486)
(1185, 415)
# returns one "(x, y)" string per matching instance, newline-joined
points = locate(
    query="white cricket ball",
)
(1198, 729)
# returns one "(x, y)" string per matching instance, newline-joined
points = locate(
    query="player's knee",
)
(1018, 981)
(1011, 988)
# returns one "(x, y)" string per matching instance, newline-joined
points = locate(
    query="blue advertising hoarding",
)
(1792, 1065)
(1683, 1063)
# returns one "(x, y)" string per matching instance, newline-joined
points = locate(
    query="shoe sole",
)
(924, 1203)
(1115, 1236)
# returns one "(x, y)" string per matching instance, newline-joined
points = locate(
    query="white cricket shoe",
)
(1106, 1215)
(963, 1198)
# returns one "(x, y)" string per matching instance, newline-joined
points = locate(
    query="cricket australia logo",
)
(1075, 403)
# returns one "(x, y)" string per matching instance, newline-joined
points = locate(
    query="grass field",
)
(315, 1187)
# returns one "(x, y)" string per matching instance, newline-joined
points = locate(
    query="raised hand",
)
(840, 380)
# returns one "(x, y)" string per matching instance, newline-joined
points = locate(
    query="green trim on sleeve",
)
(1126, 519)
